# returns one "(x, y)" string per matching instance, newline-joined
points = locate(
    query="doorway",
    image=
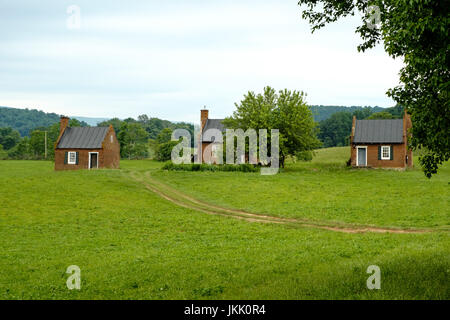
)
(361, 156)
(93, 160)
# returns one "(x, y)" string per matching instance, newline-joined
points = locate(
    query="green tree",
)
(115, 122)
(164, 145)
(21, 151)
(335, 131)
(164, 150)
(416, 31)
(77, 123)
(363, 113)
(397, 112)
(286, 111)
(380, 115)
(164, 136)
(133, 140)
(9, 138)
(37, 144)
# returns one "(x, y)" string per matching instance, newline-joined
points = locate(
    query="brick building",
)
(209, 143)
(86, 147)
(381, 143)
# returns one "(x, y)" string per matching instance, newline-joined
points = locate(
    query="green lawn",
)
(324, 190)
(131, 244)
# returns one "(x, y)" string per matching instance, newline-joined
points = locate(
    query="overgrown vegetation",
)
(209, 167)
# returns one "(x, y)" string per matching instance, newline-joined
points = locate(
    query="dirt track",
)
(183, 200)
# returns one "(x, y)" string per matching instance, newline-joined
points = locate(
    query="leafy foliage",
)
(321, 113)
(286, 111)
(133, 140)
(335, 131)
(380, 115)
(245, 167)
(416, 31)
(9, 138)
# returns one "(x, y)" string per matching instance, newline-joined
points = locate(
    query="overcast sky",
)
(170, 58)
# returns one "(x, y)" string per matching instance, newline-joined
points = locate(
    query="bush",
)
(164, 151)
(210, 167)
(304, 155)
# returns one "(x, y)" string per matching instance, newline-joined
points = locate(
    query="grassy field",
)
(324, 190)
(132, 244)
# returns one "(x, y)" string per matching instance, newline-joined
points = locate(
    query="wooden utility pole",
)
(45, 144)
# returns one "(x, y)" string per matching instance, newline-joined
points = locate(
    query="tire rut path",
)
(183, 200)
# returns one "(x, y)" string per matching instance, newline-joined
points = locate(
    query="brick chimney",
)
(203, 117)
(64, 123)
(352, 135)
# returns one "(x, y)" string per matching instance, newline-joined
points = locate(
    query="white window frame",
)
(357, 155)
(389, 153)
(89, 165)
(68, 157)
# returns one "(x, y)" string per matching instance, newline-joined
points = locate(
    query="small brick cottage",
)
(86, 147)
(381, 143)
(209, 144)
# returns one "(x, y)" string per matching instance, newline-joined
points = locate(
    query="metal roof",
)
(379, 131)
(83, 138)
(212, 124)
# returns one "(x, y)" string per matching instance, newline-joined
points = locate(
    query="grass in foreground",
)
(131, 244)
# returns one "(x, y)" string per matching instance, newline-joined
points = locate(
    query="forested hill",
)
(25, 120)
(324, 112)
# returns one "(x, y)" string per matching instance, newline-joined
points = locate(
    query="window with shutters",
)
(385, 153)
(72, 158)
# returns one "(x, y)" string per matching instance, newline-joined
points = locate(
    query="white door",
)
(362, 157)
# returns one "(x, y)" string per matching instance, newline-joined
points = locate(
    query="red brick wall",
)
(83, 159)
(372, 156)
(111, 150)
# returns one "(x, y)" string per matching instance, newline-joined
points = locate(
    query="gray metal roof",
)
(212, 124)
(379, 131)
(83, 138)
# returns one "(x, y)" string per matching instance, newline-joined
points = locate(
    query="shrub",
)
(210, 167)
(164, 150)
(304, 155)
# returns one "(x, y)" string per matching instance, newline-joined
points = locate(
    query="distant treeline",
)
(321, 113)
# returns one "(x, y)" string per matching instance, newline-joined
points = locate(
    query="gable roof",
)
(82, 138)
(379, 131)
(212, 124)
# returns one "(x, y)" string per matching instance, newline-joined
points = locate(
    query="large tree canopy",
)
(286, 111)
(416, 31)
